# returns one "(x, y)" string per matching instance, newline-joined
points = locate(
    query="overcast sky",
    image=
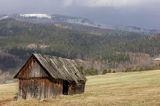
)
(143, 13)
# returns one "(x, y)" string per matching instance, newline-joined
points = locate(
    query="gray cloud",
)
(143, 13)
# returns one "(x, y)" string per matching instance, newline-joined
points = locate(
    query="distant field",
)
(115, 89)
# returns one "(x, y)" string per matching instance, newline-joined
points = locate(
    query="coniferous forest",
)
(112, 48)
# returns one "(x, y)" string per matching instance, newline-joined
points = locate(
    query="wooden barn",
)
(44, 76)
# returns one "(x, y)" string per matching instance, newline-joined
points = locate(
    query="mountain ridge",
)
(62, 19)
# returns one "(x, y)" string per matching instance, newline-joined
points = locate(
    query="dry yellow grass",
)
(117, 89)
(7, 91)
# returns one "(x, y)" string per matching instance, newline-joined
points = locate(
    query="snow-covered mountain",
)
(45, 18)
(61, 19)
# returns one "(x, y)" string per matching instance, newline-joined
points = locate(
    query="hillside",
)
(110, 49)
(116, 89)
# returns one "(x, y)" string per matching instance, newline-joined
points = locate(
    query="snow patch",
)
(36, 15)
(4, 17)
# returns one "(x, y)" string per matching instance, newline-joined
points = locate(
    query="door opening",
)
(65, 87)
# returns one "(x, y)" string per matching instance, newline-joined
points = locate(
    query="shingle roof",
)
(60, 68)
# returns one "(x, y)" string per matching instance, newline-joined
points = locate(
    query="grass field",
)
(115, 89)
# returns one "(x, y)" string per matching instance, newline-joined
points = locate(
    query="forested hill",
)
(19, 39)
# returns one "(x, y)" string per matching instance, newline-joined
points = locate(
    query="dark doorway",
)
(65, 87)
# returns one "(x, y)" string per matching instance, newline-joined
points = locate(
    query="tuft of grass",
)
(114, 89)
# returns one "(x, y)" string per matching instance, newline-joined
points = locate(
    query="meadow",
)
(114, 89)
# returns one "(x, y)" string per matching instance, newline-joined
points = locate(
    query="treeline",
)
(94, 71)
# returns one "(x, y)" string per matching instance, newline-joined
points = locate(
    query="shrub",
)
(88, 71)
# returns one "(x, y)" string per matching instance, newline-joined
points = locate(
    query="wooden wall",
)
(39, 88)
(32, 70)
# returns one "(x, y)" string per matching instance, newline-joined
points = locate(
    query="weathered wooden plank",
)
(39, 88)
(32, 70)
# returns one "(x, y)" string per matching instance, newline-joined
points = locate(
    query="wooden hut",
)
(44, 76)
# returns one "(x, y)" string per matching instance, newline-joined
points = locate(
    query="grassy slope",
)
(121, 89)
